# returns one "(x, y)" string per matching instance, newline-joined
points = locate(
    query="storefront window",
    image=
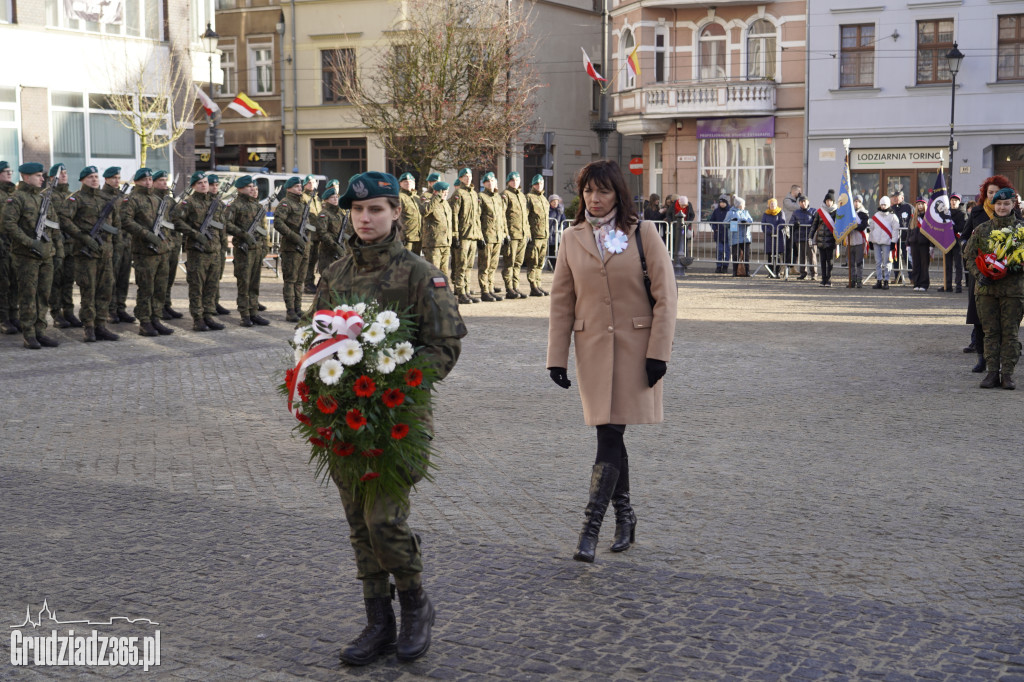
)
(865, 183)
(743, 167)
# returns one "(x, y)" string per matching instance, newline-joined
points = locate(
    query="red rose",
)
(399, 431)
(414, 378)
(364, 387)
(343, 449)
(326, 432)
(304, 419)
(393, 397)
(303, 391)
(326, 404)
(355, 419)
(369, 476)
(375, 452)
(317, 442)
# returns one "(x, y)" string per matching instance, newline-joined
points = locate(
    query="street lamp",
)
(953, 59)
(210, 39)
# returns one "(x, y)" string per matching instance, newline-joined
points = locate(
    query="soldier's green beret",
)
(329, 192)
(1001, 195)
(112, 172)
(291, 182)
(159, 174)
(440, 185)
(196, 177)
(30, 168)
(369, 185)
(244, 181)
(490, 176)
(143, 173)
(537, 178)
(406, 176)
(433, 177)
(465, 171)
(87, 171)
(334, 182)
(56, 168)
(4, 166)
(511, 176)
(213, 179)
(308, 179)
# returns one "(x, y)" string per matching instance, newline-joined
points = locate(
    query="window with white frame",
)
(261, 68)
(761, 57)
(202, 13)
(229, 65)
(628, 43)
(10, 131)
(711, 60)
(661, 54)
(5, 11)
(657, 169)
(85, 132)
(139, 18)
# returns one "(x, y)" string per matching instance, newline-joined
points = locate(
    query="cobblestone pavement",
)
(831, 497)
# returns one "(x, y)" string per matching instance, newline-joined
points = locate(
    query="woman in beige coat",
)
(623, 342)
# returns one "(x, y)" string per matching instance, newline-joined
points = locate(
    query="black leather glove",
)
(559, 376)
(90, 243)
(250, 241)
(152, 239)
(984, 281)
(456, 244)
(655, 370)
(481, 244)
(506, 241)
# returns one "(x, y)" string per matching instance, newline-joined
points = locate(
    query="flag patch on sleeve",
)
(439, 282)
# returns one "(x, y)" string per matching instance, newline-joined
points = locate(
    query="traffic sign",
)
(636, 165)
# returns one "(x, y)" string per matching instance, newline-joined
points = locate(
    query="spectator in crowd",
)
(954, 259)
(790, 204)
(920, 247)
(773, 225)
(857, 241)
(720, 231)
(882, 230)
(740, 227)
(683, 217)
(654, 210)
(903, 212)
(800, 234)
(556, 210)
(824, 239)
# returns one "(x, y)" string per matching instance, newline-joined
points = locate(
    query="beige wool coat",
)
(603, 308)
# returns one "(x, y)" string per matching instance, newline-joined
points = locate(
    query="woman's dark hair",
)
(399, 224)
(607, 175)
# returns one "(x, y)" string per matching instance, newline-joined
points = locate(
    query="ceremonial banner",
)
(846, 217)
(938, 223)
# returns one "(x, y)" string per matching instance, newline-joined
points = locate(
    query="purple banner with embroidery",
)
(938, 223)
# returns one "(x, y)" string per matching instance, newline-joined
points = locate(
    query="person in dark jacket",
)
(800, 233)
(903, 212)
(856, 242)
(954, 259)
(721, 233)
(824, 238)
(773, 225)
(654, 210)
(920, 248)
(682, 225)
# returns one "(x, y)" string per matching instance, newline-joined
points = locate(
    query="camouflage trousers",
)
(200, 273)
(35, 277)
(248, 268)
(62, 291)
(8, 287)
(462, 262)
(416, 247)
(438, 257)
(121, 265)
(150, 276)
(95, 277)
(220, 273)
(173, 256)
(512, 254)
(383, 543)
(487, 265)
(537, 255)
(314, 260)
(1000, 318)
(328, 254)
(293, 272)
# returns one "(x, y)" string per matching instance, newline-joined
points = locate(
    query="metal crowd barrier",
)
(556, 230)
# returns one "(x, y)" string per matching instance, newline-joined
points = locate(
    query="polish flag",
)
(208, 104)
(589, 67)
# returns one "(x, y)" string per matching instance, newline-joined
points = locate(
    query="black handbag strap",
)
(643, 265)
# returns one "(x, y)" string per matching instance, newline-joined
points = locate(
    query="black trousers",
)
(825, 259)
(612, 450)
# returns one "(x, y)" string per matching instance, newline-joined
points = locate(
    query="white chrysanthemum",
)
(389, 320)
(385, 363)
(349, 352)
(330, 372)
(359, 308)
(375, 334)
(402, 352)
(302, 334)
(298, 354)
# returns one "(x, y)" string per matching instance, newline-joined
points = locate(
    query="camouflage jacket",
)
(538, 207)
(188, 217)
(492, 217)
(466, 214)
(437, 224)
(59, 200)
(516, 213)
(1010, 286)
(81, 212)
(287, 219)
(138, 216)
(411, 216)
(238, 219)
(6, 190)
(19, 222)
(220, 216)
(114, 193)
(174, 238)
(331, 219)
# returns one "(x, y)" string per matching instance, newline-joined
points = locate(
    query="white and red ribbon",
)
(331, 327)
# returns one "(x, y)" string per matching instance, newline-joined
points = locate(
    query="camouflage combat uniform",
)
(173, 249)
(8, 282)
(466, 231)
(329, 226)
(1000, 304)
(437, 233)
(294, 248)
(149, 251)
(201, 254)
(494, 231)
(249, 250)
(121, 258)
(31, 259)
(517, 222)
(316, 207)
(412, 219)
(93, 267)
(538, 249)
(62, 302)
(383, 543)
(224, 244)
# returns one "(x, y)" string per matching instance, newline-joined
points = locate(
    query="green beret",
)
(329, 192)
(196, 177)
(1001, 195)
(4, 166)
(159, 174)
(406, 176)
(465, 171)
(111, 172)
(291, 182)
(433, 177)
(490, 176)
(143, 173)
(213, 179)
(369, 185)
(87, 171)
(511, 176)
(30, 168)
(440, 185)
(56, 168)
(537, 178)
(308, 179)
(334, 182)
(244, 181)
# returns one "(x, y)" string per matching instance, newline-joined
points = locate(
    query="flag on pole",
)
(208, 104)
(633, 62)
(589, 67)
(846, 217)
(938, 222)
(246, 107)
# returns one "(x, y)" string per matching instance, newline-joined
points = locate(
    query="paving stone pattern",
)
(830, 497)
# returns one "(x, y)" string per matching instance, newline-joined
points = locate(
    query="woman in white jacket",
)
(884, 228)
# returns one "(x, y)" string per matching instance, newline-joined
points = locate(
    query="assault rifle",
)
(41, 220)
(304, 227)
(161, 223)
(101, 225)
(256, 226)
(339, 243)
(209, 222)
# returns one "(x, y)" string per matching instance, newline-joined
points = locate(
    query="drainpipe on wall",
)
(295, 99)
(807, 102)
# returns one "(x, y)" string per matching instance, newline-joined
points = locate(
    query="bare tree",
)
(143, 98)
(452, 85)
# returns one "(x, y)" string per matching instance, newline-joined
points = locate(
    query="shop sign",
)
(874, 159)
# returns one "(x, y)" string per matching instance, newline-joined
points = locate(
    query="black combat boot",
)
(625, 522)
(221, 310)
(124, 316)
(213, 324)
(535, 290)
(32, 343)
(602, 484)
(246, 321)
(8, 328)
(104, 334)
(260, 307)
(377, 638)
(89, 335)
(72, 320)
(147, 329)
(260, 320)
(980, 367)
(417, 619)
(58, 320)
(463, 299)
(47, 341)
(291, 316)
(199, 325)
(161, 328)
(112, 318)
(1008, 382)
(172, 312)
(991, 380)
(545, 292)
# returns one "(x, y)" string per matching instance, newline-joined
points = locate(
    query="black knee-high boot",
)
(602, 484)
(625, 518)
